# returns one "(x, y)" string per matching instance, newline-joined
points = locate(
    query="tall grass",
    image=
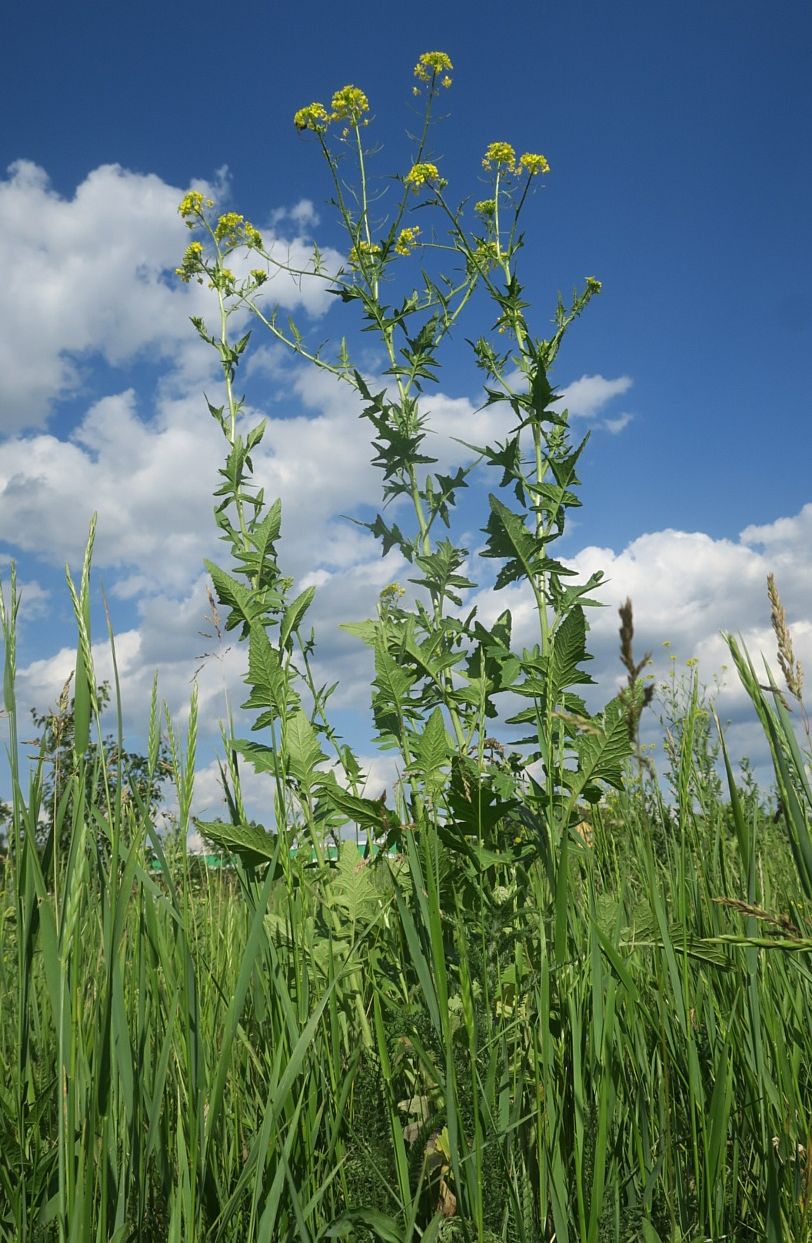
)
(558, 1006)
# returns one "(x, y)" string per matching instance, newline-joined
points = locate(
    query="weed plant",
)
(551, 1004)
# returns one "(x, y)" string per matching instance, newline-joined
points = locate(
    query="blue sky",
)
(678, 138)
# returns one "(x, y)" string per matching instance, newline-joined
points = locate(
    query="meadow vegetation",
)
(556, 997)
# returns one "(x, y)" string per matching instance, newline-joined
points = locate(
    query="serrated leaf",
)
(431, 747)
(369, 813)
(601, 753)
(302, 750)
(249, 841)
(232, 593)
(390, 677)
(294, 614)
(567, 651)
(365, 630)
(266, 677)
(265, 535)
(511, 541)
(264, 759)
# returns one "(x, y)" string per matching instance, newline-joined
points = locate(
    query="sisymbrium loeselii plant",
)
(481, 825)
(411, 274)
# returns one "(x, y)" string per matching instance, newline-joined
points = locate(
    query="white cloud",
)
(585, 398)
(88, 276)
(687, 588)
(94, 275)
(619, 424)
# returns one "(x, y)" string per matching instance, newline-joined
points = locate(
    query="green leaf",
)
(369, 813)
(264, 759)
(431, 749)
(568, 650)
(365, 630)
(266, 677)
(302, 750)
(249, 841)
(294, 614)
(234, 594)
(345, 1226)
(510, 540)
(601, 753)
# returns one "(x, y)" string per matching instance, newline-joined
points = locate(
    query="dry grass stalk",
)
(790, 667)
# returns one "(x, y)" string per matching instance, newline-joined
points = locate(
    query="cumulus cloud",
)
(587, 397)
(688, 589)
(89, 276)
(93, 274)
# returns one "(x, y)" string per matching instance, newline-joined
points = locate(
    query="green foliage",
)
(542, 1003)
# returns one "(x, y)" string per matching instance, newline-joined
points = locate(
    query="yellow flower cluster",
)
(224, 279)
(234, 229)
(191, 207)
(258, 275)
(502, 155)
(350, 103)
(423, 174)
(363, 251)
(390, 597)
(406, 240)
(534, 164)
(228, 226)
(485, 257)
(191, 263)
(431, 64)
(314, 116)
(485, 207)
(593, 284)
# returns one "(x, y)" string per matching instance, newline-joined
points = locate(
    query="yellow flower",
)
(191, 206)
(228, 226)
(363, 251)
(259, 276)
(191, 263)
(594, 286)
(432, 63)
(314, 116)
(223, 278)
(485, 207)
(349, 103)
(502, 155)
(422, 174)
(406, 240)
(534, 163)
(485, 257)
